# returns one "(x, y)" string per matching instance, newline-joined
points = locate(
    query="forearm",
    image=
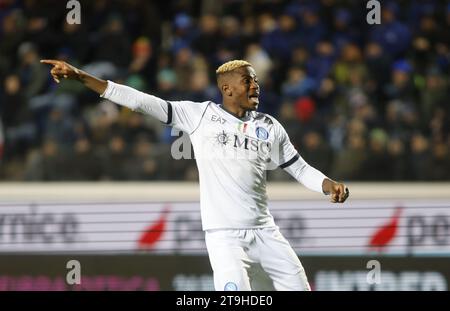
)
(327, 185)
(96, 84)
(65, 70)
(308, 176)
(120, 94)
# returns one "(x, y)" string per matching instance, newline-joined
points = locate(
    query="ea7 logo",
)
(74, 15)
(374, 15)
(215, 118)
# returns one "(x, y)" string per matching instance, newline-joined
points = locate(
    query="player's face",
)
(245, 88)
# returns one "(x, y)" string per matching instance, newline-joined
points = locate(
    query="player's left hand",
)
(339, 192)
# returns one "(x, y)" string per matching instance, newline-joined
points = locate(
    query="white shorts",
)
(254, 259)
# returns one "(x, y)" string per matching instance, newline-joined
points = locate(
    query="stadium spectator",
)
(319, 64)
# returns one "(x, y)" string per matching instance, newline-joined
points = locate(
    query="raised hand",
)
(62, 69)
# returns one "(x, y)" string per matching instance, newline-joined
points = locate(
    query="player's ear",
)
(226, 90)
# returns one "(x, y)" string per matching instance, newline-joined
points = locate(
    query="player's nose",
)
(254, 85)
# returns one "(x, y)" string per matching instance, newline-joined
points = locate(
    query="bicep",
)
(283, 151)
(186, 115)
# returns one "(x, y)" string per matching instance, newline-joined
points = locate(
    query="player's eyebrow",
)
(247, 75)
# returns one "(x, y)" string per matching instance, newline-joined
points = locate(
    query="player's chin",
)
(252, 105)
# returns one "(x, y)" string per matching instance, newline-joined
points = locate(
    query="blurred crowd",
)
(359, 101)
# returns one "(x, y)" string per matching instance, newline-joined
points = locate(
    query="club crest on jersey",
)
(262, 133)
(230, 286)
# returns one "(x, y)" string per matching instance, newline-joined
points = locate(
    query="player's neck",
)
(238, 112)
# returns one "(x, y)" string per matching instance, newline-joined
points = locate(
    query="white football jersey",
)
(232, 156)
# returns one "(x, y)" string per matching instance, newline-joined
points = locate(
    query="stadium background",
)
(367, 104)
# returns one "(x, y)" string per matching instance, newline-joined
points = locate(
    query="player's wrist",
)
(79, 75)
(327, 185)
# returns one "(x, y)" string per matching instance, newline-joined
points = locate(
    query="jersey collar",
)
(243, 119)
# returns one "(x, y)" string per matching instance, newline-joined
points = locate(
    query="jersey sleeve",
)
(287, 157)
(283, 152)
(183, 115)
(186, 115)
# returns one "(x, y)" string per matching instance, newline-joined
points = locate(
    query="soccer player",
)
(234, 145)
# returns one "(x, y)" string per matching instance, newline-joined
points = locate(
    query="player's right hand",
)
(61, 69)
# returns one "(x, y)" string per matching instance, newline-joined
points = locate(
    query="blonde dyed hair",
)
(232, 65)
